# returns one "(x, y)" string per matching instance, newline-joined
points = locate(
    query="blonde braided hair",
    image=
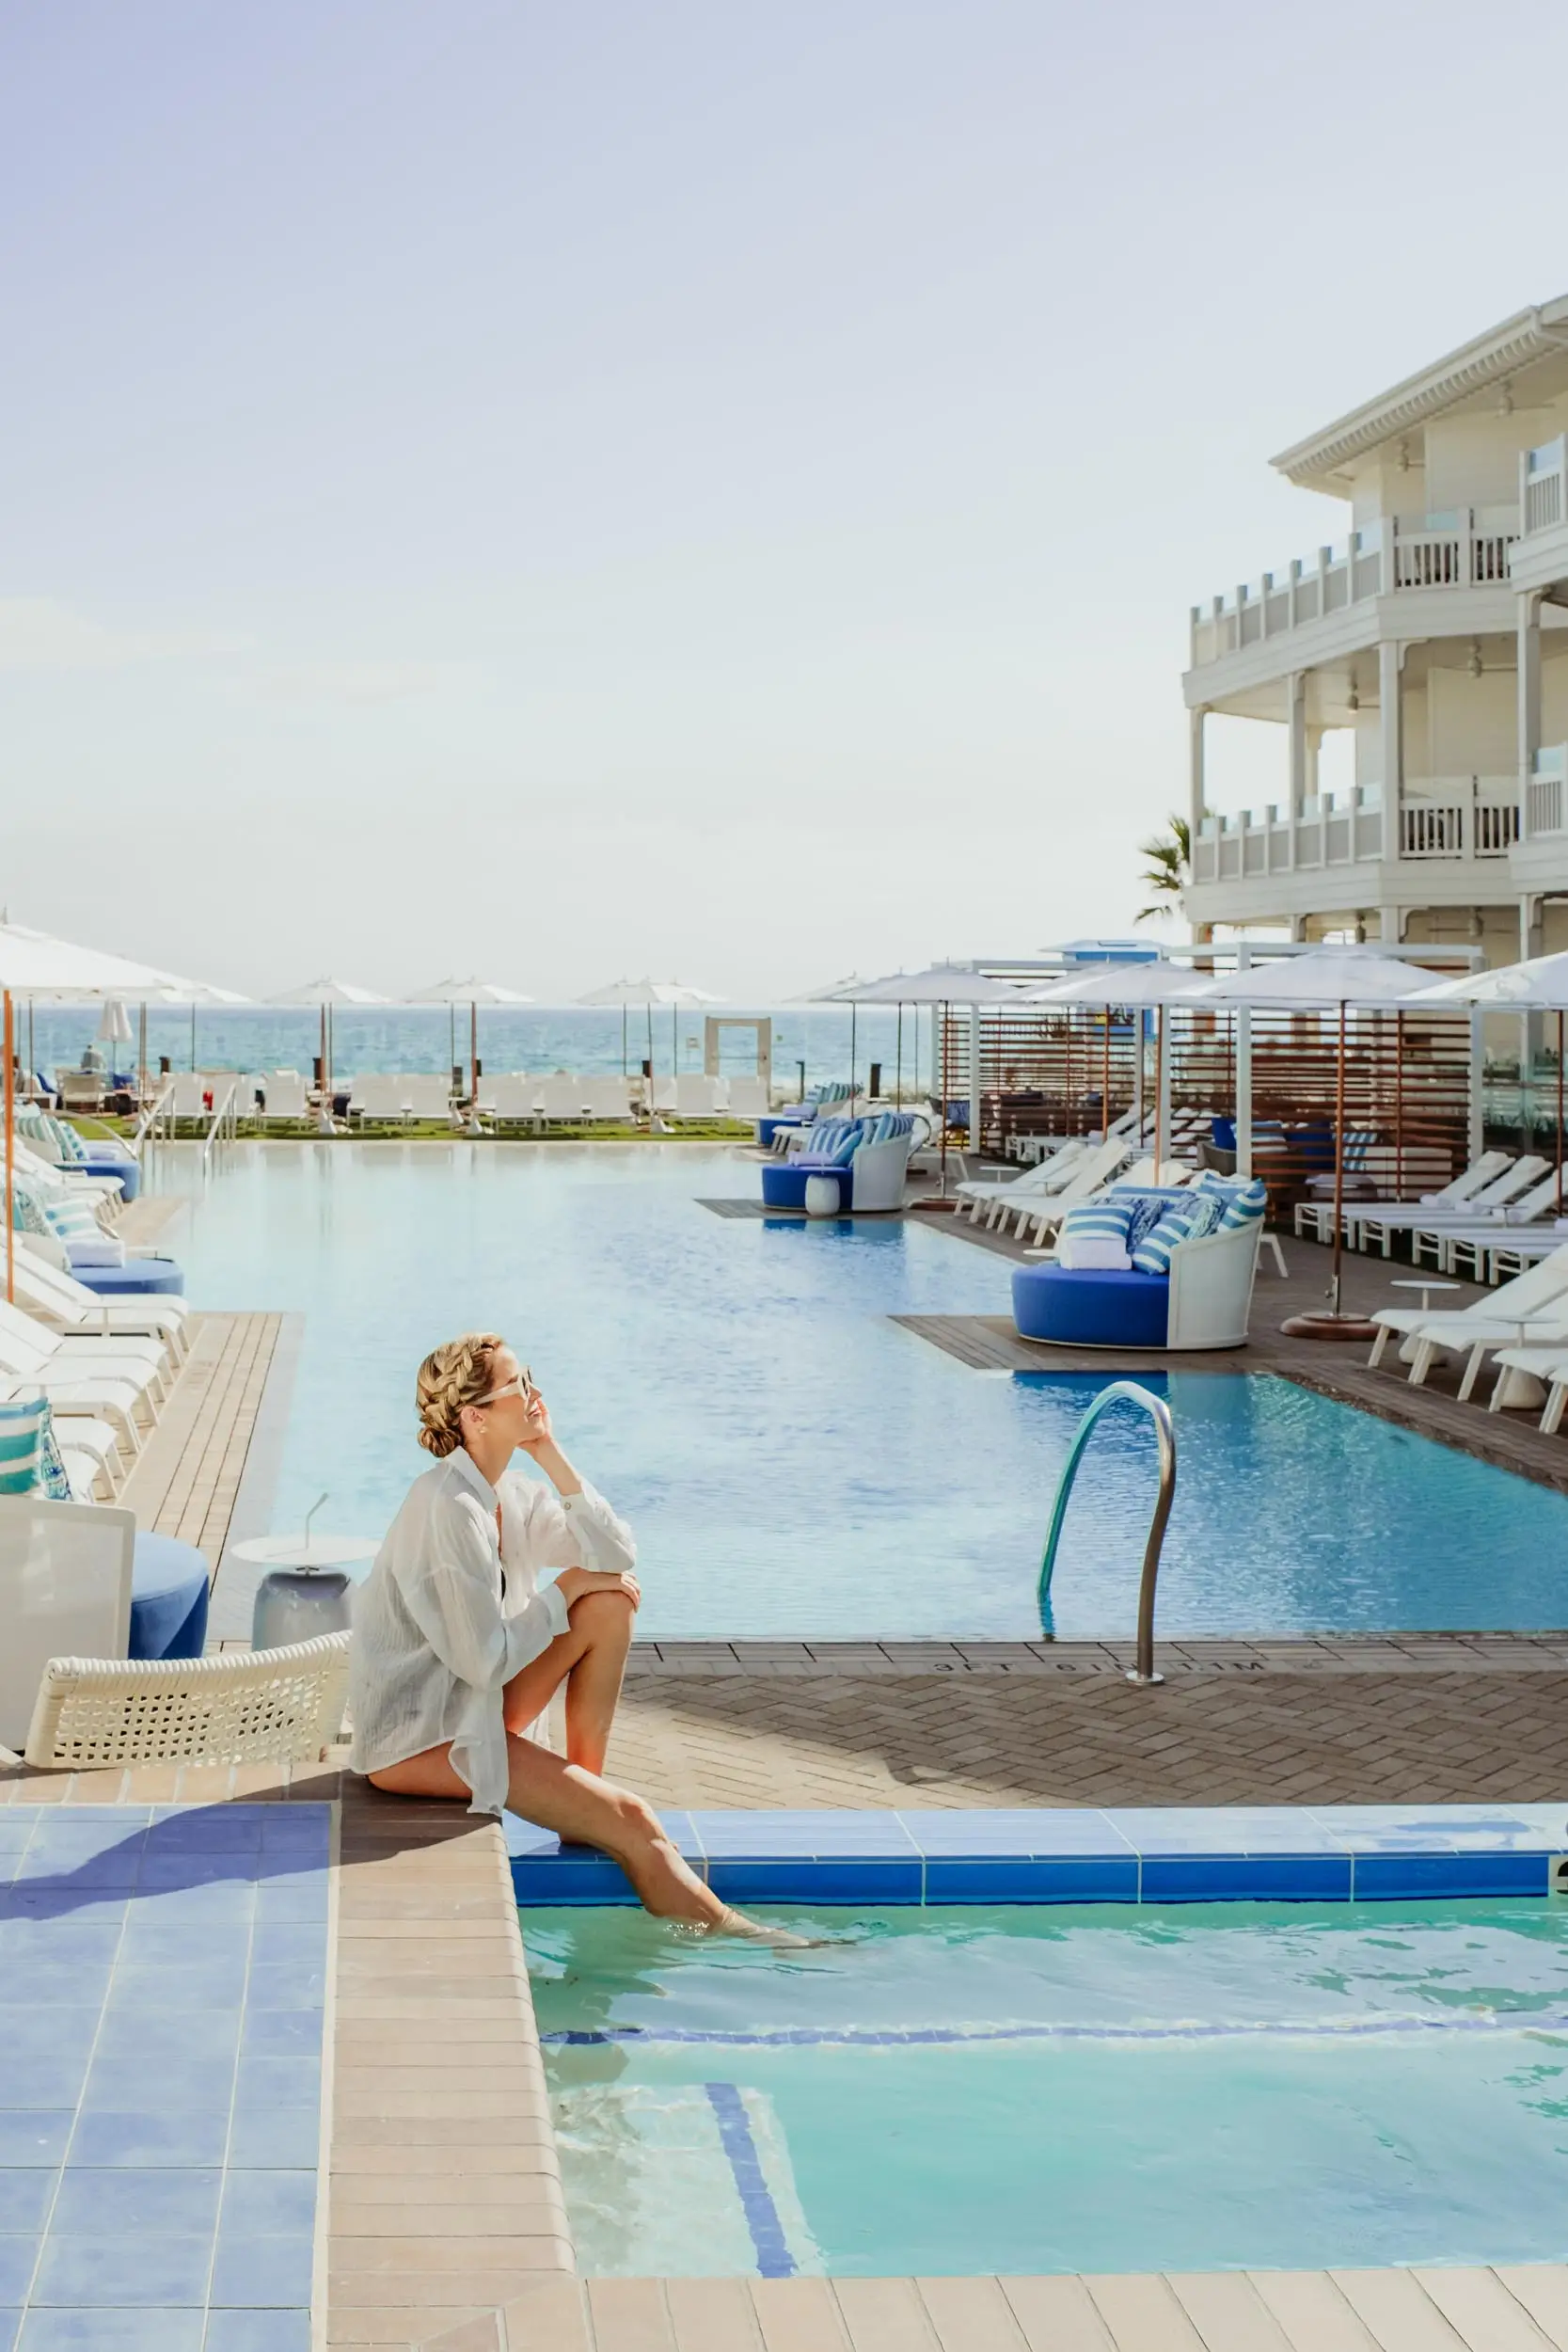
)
(451, 1377)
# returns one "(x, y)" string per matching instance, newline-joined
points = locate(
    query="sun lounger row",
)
(104, 1366)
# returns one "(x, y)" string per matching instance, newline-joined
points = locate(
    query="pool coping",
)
(1046, 1854)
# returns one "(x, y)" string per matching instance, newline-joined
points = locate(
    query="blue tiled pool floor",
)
(959, 1854)
(161, 1986)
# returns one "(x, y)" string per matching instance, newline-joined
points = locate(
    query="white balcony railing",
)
(1461, 817)
(1545, 797)
(1543, 487)
(1465, 548)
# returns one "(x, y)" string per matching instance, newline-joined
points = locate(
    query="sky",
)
(562, 491)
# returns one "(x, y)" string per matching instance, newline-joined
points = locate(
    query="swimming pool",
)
(797, 1463)
(1022, 2091)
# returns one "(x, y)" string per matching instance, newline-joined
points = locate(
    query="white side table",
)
(305, 1592)
(822, 1196)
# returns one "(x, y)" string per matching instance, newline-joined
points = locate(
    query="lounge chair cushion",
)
(30, 1460)
(1088, 1307)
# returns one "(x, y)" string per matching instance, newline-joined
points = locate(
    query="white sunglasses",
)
(523, 1387)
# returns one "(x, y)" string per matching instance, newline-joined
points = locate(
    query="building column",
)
(1295, 724)
(1314, 746)
(1390, 924)
(1390, 664)
(1194, 769)
(1527, 606)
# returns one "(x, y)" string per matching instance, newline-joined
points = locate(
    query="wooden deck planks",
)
(185, 1480)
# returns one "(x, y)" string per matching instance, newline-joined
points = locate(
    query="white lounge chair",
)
(1470, 1238)
(1525, 1296)
(249, 1707)
(513, 1097)
(749, 1098)
(56, 1298)
(563, 1098)
(1538, 1372)
(1531, 1310)
(112, 1391)
(1098, 1169)
(141, 1355)
(65, 1583)
(1383, 1221)
(607, 1101)
(1000, 1196)
(287, 1097)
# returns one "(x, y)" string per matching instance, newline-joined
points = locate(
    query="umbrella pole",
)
(852, 1013)
(1105, 1084)
(943, 1192)
(192, 1036)
(10, 1150)
(1559, 1114)
(141, 1058)
(1338, 1165)
(1159, 1089)
(473, 1068)
(623, 1040)
(32, 1058)
(898, 1061)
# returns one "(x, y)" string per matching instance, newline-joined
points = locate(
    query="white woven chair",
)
(249, 1706)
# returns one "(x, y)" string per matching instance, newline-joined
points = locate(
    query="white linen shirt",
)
(449, 1613)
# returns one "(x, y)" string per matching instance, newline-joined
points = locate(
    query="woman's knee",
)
(604, 1616)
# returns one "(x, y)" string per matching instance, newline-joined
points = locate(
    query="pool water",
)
(1021, 2091)
(793, 1462)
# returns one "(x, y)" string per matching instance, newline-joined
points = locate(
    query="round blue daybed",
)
(168, 1599)
(783, 1183)
(139, 1278)
(1088, 1307)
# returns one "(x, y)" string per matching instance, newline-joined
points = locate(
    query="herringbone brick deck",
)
(1323, 1737)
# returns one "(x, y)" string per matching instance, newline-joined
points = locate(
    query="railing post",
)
(1159, 1412)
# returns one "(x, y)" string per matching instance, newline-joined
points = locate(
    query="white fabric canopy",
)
(649, 993)
(1111, 984)
(470, 993)
(1539, 986)
(34, 965)
(1322, 977)
(939, 984)
(332, 993)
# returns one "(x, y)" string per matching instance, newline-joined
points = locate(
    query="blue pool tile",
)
(279, 1944)
(50, 2081)
(34, 2136)
(125, 2086)
(65, 2031)
(151, 1938)
(215, 1902)
(292, 1901)
(1014, 1830)
(278, 2202)
(18, 2260)
(17, 1822)
(49, 1983)
(259, 2332)
(576, 1877)
(26, 2192)
(1382, 1876)
(10, 2328)
(82, 1830)
(198, 1866)
(284, 2082)
(287, 1984)
(847, 1878)
(208, 2037)
(288, 2136)
(228, 1828)
(194, 2137)
(1032, 1879)
(101, 2330)
(765, 1835)
(146, 2269)
(1396, 1829)
(191, 1985)
(1205, 1878)
(260, 2271)
(282, 2033)
(119, 2202)
(47, 1900)
(1222, 1828)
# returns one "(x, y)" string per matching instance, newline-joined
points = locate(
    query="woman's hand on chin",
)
(574, 1584)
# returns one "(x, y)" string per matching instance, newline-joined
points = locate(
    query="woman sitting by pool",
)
(458, 1649)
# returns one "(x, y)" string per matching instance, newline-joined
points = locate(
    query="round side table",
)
(305, 1592)
(823, 1196)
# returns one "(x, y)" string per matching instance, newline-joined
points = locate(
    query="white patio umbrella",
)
(473, 993)
(1140, 985)
(1324, 980)
(33, 964)
(1537, 985)
(937, 985)
(327, 994)
(628, 994)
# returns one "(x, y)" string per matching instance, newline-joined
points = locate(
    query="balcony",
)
(1543, 487)
(1465, 548)
(1458, 817)
(1546, 794)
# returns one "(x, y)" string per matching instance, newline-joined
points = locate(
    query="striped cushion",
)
(1205, 1215)
(1246, 1205)
(1095, 1235)
(1148, 1208)
(30, 1460)
(1152, 1254)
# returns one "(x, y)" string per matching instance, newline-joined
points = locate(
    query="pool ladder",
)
(1130, 1393)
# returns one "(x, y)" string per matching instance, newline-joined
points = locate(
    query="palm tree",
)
(1170, 857)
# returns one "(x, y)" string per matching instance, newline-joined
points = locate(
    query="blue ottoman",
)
(1084, 1307)
(139, 1279)
(168, 1599)
(783, 1185)
(126, 1173)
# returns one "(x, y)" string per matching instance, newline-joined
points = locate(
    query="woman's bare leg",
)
(583, 1809)
(590, 1658)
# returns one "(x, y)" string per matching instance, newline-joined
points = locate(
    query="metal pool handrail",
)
(1159, 1413)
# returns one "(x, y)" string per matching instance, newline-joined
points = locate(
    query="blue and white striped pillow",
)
(1246, 1204)
(1095, 1235)
(1152, 1254)
(30, 1460)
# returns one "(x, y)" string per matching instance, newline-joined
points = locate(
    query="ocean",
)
(535, 1039)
